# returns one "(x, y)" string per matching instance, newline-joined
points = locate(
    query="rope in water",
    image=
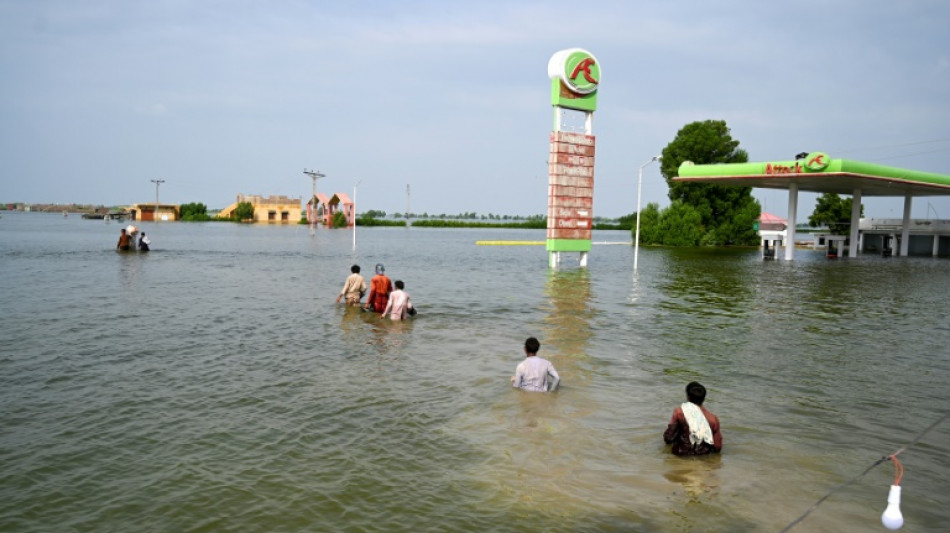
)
(892, 457)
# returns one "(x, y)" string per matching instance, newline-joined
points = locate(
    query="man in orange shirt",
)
(379, 288)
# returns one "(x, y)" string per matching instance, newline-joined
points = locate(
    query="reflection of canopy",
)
(840, 176)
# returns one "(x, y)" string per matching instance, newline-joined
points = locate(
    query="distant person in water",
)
(532, 373)
(144, 242)
(379, 288)
(693, 430)
(353, 288)
(125, 241)
(398, 306)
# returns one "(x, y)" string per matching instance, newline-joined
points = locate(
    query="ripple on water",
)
(214, 386)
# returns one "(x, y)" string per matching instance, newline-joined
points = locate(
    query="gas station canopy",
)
(819, 173)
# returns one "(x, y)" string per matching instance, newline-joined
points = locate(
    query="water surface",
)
(213, 385)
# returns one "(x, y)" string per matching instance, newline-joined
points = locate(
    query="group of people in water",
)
(692, 430)
(126, 241)
(383, 299)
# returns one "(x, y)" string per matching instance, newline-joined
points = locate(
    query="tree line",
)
(699, 214)
(702, 214)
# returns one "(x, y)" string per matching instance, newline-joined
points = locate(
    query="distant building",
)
(321, 209)
(772, 228)
(152, 212)
(773, 231)
(273, 209)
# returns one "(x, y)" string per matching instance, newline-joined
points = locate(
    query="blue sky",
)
(224, 97)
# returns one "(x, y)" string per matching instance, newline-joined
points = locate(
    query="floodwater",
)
(213, 385)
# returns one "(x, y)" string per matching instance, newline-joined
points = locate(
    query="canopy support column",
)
(855, 222)
(792, 217)
(905, 226)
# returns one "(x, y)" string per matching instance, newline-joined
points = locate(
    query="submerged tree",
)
(194, 211)
(833, 212)
(726, 215)
(338, 220)
(243, 211)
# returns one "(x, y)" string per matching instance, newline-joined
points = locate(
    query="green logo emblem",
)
(578, 69)
(817, 161)
(575, 77)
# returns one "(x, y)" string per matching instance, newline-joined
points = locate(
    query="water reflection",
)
(130, 267)
(697, 475)
(708, 282)
(568, 321)
(367, 329)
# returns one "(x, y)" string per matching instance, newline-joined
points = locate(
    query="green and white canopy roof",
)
(819, 173)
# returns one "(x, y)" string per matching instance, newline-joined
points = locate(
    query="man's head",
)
(380, 268)
(123, 231)
(695, 392)
(531, 346)
(355, 269)
(399, 284)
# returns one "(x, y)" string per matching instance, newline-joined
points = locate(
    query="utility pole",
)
(157, 182)
(315, 175)
(311, 203)
(407, 205)
(354, 213)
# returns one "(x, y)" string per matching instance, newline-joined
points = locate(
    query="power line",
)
(913, 154)
(868, 469)
(902, 145)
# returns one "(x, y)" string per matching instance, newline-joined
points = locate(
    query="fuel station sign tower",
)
(575, 77)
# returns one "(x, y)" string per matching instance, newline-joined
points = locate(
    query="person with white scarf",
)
(693, 429)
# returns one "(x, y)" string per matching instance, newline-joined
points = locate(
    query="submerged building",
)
(272, 209)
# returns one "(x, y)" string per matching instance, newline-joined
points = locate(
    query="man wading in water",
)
(693, 430)
(532, 373)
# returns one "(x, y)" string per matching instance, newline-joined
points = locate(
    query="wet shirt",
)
(355, 285)
(379, 288)
(532, 374)
(398, 305)
(677, 434)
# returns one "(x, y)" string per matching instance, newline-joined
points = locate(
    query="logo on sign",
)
(817, 161)
(577, 68)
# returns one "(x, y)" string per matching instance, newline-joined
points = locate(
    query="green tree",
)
(649, 225)
(194, 212)
(680, 224)
(834, 212)
(629, 221)
(243, 211)
(723, 211)
(338, 220)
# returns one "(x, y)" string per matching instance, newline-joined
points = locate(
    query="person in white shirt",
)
(398, 305)
(532, 373)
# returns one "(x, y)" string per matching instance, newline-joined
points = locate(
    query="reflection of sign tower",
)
(575, 77)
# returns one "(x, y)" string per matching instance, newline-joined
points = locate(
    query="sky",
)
(451, 99)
